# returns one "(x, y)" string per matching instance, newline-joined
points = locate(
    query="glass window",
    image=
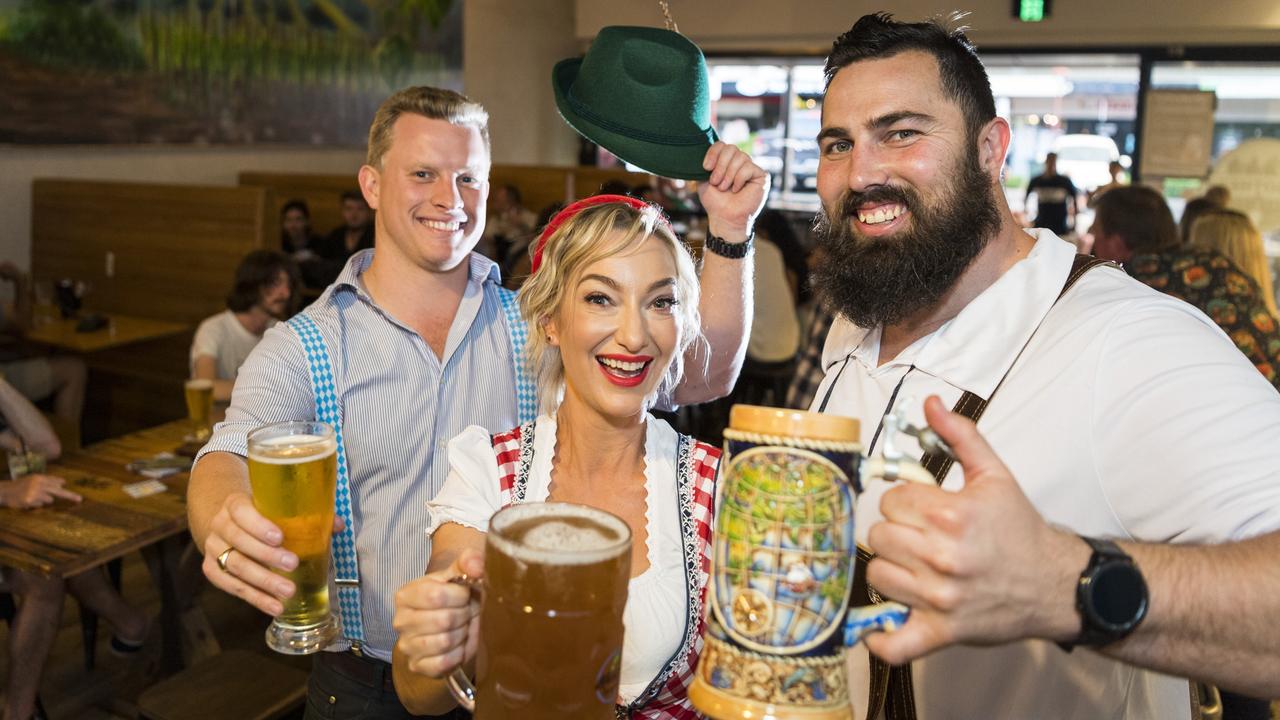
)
(1081, 106)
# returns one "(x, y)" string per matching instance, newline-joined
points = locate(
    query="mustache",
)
(846, 208)
(851, 200)
(832, 225)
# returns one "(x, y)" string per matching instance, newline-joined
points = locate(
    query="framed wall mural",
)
(216, 71)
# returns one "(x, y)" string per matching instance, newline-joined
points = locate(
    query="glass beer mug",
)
(293, 469)
(555, 585)
(782, 566)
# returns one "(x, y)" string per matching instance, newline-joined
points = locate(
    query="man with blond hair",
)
(420, 342)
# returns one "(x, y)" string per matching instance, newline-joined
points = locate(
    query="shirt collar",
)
(482, 270)
(975, 349)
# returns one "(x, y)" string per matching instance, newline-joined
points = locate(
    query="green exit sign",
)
(1031, 10)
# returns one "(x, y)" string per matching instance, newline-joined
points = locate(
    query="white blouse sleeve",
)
(471, 493)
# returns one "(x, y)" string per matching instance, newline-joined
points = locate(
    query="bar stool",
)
(234, 684)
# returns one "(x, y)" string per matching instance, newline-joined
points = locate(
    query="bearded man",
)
(1137, 503)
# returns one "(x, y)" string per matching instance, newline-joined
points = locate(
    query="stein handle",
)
(463, 690)
(884, 616)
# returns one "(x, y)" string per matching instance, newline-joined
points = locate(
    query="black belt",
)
(367, 671)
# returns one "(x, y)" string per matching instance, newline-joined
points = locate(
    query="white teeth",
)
(620, 365)
(881, 215)
(437, 225)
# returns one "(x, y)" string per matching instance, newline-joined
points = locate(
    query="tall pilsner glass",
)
(199, 394)
(293, 468)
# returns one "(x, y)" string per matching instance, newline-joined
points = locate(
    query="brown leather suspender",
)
(892, 687)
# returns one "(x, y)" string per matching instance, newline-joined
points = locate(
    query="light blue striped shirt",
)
(401, 406)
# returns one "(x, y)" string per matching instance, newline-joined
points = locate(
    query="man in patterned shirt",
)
(1133, 226)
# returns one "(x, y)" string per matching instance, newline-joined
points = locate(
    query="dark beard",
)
(883, 281)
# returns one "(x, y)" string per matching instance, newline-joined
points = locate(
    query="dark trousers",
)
(343, 686)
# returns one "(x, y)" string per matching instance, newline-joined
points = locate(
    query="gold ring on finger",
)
(222, 559)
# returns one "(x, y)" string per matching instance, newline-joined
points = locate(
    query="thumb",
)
(471, 562)
(980, 462)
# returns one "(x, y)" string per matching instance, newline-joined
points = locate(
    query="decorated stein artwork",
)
(782, 566)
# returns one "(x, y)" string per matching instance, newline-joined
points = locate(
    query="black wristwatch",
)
(733, 251)
(1111, 596)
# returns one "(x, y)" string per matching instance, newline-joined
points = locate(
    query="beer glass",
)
(555, 585)
(293, 468)
(199, 407)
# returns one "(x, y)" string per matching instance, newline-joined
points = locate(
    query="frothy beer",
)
(293, 479)
(556, 578)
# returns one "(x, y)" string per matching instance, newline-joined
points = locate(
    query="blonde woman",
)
(1232, 233)
(613, 296)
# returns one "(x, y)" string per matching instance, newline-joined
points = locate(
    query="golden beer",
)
(293, 468)
(556, 579)
(200, 407)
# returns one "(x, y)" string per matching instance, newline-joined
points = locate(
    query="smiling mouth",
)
(881, 215)
(626, 373)
(444, 225)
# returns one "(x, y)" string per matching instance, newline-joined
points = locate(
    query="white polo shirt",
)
(1130, 415)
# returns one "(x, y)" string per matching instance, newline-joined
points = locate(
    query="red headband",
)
(563, 216)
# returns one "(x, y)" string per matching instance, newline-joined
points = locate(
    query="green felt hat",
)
(642, 94)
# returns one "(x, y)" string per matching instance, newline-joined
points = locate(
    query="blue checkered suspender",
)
(346, 566)
(526, 389)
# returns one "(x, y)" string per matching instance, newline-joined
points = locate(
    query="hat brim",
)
(683, 162)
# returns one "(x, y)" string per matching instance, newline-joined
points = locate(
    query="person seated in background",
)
(264, 293)
(1133, 226)
(353, 235)
(40, 598)
(1233, 234)
(612, 306)
(1219, 195)
(302, 244)
(296, 237)
(509, 227)
(36, 375)
(1190, 213)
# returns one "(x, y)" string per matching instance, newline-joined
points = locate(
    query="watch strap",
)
(724, 248)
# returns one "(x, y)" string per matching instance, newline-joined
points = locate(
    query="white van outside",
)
(1086, 159)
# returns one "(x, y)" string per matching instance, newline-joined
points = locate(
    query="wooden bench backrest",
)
(175, 247)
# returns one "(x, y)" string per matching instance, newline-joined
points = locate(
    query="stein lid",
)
(794, 423)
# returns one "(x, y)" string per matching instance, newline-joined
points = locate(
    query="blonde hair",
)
(429, 102)
(1232, 233)
(593, 234)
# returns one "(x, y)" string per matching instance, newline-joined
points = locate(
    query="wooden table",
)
(67, 538)
(120, 330)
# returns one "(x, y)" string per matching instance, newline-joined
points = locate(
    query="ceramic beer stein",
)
(782, 566)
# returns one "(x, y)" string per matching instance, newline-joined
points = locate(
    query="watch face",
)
(1118, 594)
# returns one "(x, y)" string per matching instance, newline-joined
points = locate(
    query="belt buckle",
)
(357, 650)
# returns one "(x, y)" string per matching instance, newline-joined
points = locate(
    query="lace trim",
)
(685, 472)
(521, 482)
